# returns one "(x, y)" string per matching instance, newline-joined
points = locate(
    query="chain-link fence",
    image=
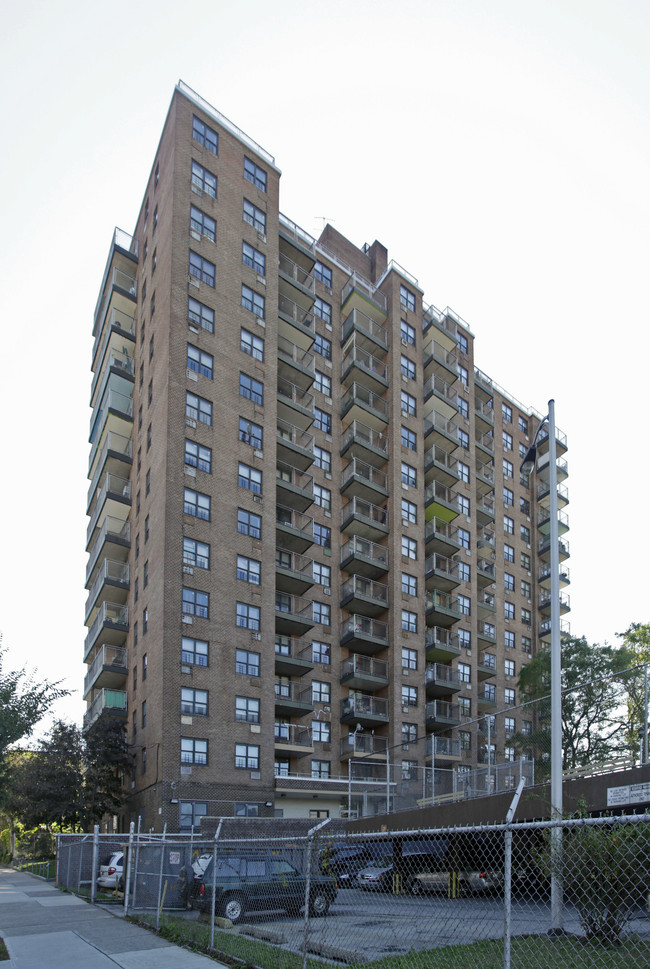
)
(502, 895)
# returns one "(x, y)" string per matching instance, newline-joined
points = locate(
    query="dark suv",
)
(245, 882)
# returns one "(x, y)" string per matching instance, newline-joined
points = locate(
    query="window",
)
(409, 584)
(321, 652)
(202, 224)
(463, 408)
(250, 433)
(526, 617)
(507, 441)
(149, 393)
(409, 511)
(194, 651)
(524, 534)
(523, 424)
(323, 274)
(249, 478)
(463, 344)
(409, 547)
(508, 496)
(508, 469)
(464, 572)
(254, 216)
(196, 504)
(247, 663)
(248, 570)
(463, 438)
(463, 504)
(407, 367)
(406, 298)
(321, 768)
(198, 408)
(508, 553)
(322, 497)
(196, 603)
(146, 521)
(464, 538)
(464, 605)
(149, 431)
(409, 475)
(194, 702)
(463, 471)
(194, 751)
(253, 258)
(509, 667)
(508, 582)
(509, 726)
(524, 506)
(248, 617)
(409, 733)
(190, 814)
(409, 696)
(202, 269)
(408, 438)
(465, 738)
(200, 315)
(407, 332)
(409, 770)
(320, 691)
(464, 638)
(251, 389)
(135, 633)
(321, 731)
(409, 621)
(322, 459)
(523, 451)
(253, 345)
(464, 706)
(205, 136)
(323, 346)
(255, 174)
(322, 310)
(203, 180)
(323, 384)
(526, 589)
(322, 420)
(409, 659)
(143, 715)
(247, 710)
(248, 523)
(199, 361)
(506, 413)
(508, 525)
(322, 535)
(509, 697)
(252, 301)
(509, 639)
(196, 554)
(463, 374)
(408, 403)
(247, 756)
(322, 613)
(527, 728)
(508, 610)
(464, 671)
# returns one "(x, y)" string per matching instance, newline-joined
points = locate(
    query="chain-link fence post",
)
(160, 876)
(310, 843)
(94, 868)
(507, 875)
(213, 900)
(127, 875)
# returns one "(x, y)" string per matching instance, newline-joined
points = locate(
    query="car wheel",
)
(232, 907)
(185, 879)
(319, 904)
(120, 884)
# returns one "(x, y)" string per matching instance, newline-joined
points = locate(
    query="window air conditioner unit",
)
(405, 343)
(328, 592)
(256, 635)
(327, 709)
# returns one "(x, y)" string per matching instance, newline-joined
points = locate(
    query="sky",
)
(499, 150)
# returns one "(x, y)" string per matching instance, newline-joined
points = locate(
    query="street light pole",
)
(556, 685)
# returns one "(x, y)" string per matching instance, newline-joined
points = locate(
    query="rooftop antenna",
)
(324, 218)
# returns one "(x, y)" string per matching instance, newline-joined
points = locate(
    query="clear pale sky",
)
(500, 150)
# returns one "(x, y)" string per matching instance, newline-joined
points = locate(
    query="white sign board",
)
(628, 794)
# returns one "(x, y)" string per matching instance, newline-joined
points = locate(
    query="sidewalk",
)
(44, 928)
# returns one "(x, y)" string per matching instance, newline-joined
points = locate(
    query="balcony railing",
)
(442, 746)
(359, 321)
(363, 286)
(489, 661)
(366, 472)
(436, 636)
(296, 649)
(294, 606)
(363, 548)
(112, 484)
(364, 509)
(358, 394)
(302, 358)
(365, 436)
(298, 275)
(364, 705)
(358, 587)
(439, 673)
(439, 492)
(300, 235)
(436, 385)
(437, 422)
(115, 319)
(363, 626)
(364, 666)
(440, 563)
(294, 562)
(437, 455)
(438, 601)
(441, 710)
(116, 573)
(433, 316)
(291, 434)
(363, 744)
(109, 612)
(112, 528)
(435, 350)
(118, 444)
(294, 519)
(486, 441)
(115, 656)
(484, 410)
(291, 476)
(289, 392)
(293, 734)
(115, 401)
(293, 692)
(114, 701)
(357, 356)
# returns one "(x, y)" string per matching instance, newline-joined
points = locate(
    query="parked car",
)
(377, 877)
(111, 874)
(344, 862)
(257, 882)
(467, 882)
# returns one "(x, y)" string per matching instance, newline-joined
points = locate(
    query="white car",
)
(110, 874)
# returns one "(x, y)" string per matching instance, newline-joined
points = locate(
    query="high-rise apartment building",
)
(311, 554)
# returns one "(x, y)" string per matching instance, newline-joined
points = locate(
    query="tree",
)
(636, 644)
(106, 760)
(594, 725)
(23, 703)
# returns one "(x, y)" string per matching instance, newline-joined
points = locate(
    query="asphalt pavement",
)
(44, 928)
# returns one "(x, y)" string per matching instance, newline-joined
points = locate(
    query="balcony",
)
(303, 245)
(111, 703)
(441, 680)
(295, 318)
(359, 294)
(486, 443)
(441, 431)
(486, 604)
(108, 669)
(117, 327)
(365, 596)
(113, 454)
(114, 363)
(484, 479)
(300, 280)
(360, 441)
(119, 288)
(545, 602)
(485, 510)
(486, 666)
(560, 441)
(295, 405)
(441, 715)
(291, 738)
(359, 363)
(369, 334)
(369, 711)
(293, 614)
(294, 531)
(114, 414)
(294, 573)
(487, 632)
(545, 630)
(544, 522)
(293, 657)
(441, 645)
(365, 558)
(485, 573)
(446, 396)
(111, 579)
(486, 543)
(362, 480)
(441, 572)
(544, 495)
(295, 365)
(359, 403)
(439, 464)
(440, 361)
(484, 412)
(111, 622)
(544, 549)
(360, 672)
(484, 386)
(443, 748)
(113, 498)
(294, 488)
(292, 700)
(361, 518)
(544, 576)
(441, 608)
(295, 447)
(487, 698)
(364, 745)
(363, 635)
(440, 502)
(445, 326)
(441, 537)
(114, 539)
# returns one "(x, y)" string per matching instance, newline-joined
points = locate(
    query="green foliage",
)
(635, 642)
